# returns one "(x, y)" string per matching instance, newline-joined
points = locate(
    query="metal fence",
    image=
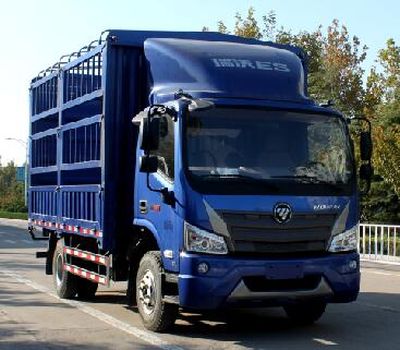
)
(380, 242)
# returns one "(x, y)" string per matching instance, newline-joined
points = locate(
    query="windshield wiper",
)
(228, 176)
(301, 178)
(311, 180)
(241, 178)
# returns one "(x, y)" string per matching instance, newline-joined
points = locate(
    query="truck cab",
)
(253, 195)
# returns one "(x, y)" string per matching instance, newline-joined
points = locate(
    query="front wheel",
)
(157, 315)
(64, 282)
(305, 313)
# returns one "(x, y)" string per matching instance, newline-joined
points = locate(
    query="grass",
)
(13, 215)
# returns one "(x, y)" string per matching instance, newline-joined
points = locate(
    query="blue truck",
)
(194, 166)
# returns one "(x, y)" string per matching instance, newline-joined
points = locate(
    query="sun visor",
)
(223, 69)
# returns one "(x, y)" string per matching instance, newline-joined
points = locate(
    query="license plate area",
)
(284, 271)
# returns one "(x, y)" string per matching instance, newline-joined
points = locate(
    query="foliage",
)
(381, 205)
(387, 154)
(222, 28)
(269, 31)
(247, 27)
(11, 191)
(334, 63)
(389, 58)
(373, 93)
(383, 107)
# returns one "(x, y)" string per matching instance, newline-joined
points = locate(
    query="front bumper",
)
(223, 284)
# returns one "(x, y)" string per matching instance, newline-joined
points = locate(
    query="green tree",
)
(382, 204)
(382, 105)
(389, 59)
(222, 28)
(270, 26)
(11, 191)
(334, 63)
(312, 44)
(246, 27)
(373, 93)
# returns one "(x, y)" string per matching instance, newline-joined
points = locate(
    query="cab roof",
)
(223, 69)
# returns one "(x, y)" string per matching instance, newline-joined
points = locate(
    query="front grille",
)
(262, 284)
(259, 233)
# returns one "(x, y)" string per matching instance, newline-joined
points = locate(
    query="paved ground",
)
(32, 317)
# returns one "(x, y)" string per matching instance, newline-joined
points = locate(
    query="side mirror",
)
(365, 146)
(366, 172)
(163, 126)
(154, 125)
(150, 133)
(148, 164)
(363, 129)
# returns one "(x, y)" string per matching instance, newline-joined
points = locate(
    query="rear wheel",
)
(64, 282)
(157, 315)
(305, 313)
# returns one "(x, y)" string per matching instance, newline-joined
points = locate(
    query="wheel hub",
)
(147, 292)
(59, 269)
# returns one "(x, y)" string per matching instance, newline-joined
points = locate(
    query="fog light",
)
(352, 264)
(202, 268)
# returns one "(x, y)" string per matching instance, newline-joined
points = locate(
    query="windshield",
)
(273, 147)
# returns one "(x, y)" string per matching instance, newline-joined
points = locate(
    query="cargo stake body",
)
(229, 188)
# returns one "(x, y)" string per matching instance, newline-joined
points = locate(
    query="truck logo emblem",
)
(326, 207)
(282, 213)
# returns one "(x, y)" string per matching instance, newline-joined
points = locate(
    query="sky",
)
(35, 33)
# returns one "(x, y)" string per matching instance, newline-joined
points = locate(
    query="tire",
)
(305, 313)
(157, 315)
(85, 289)
(64, 282)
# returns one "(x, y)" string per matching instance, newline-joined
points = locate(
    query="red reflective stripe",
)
(91, 232)
(68, 250)
(86, 274)
(71, 228)
(43, 223)
(86, 255)
(85, 231)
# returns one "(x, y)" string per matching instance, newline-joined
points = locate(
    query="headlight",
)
(346, 241)
(200, 241)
